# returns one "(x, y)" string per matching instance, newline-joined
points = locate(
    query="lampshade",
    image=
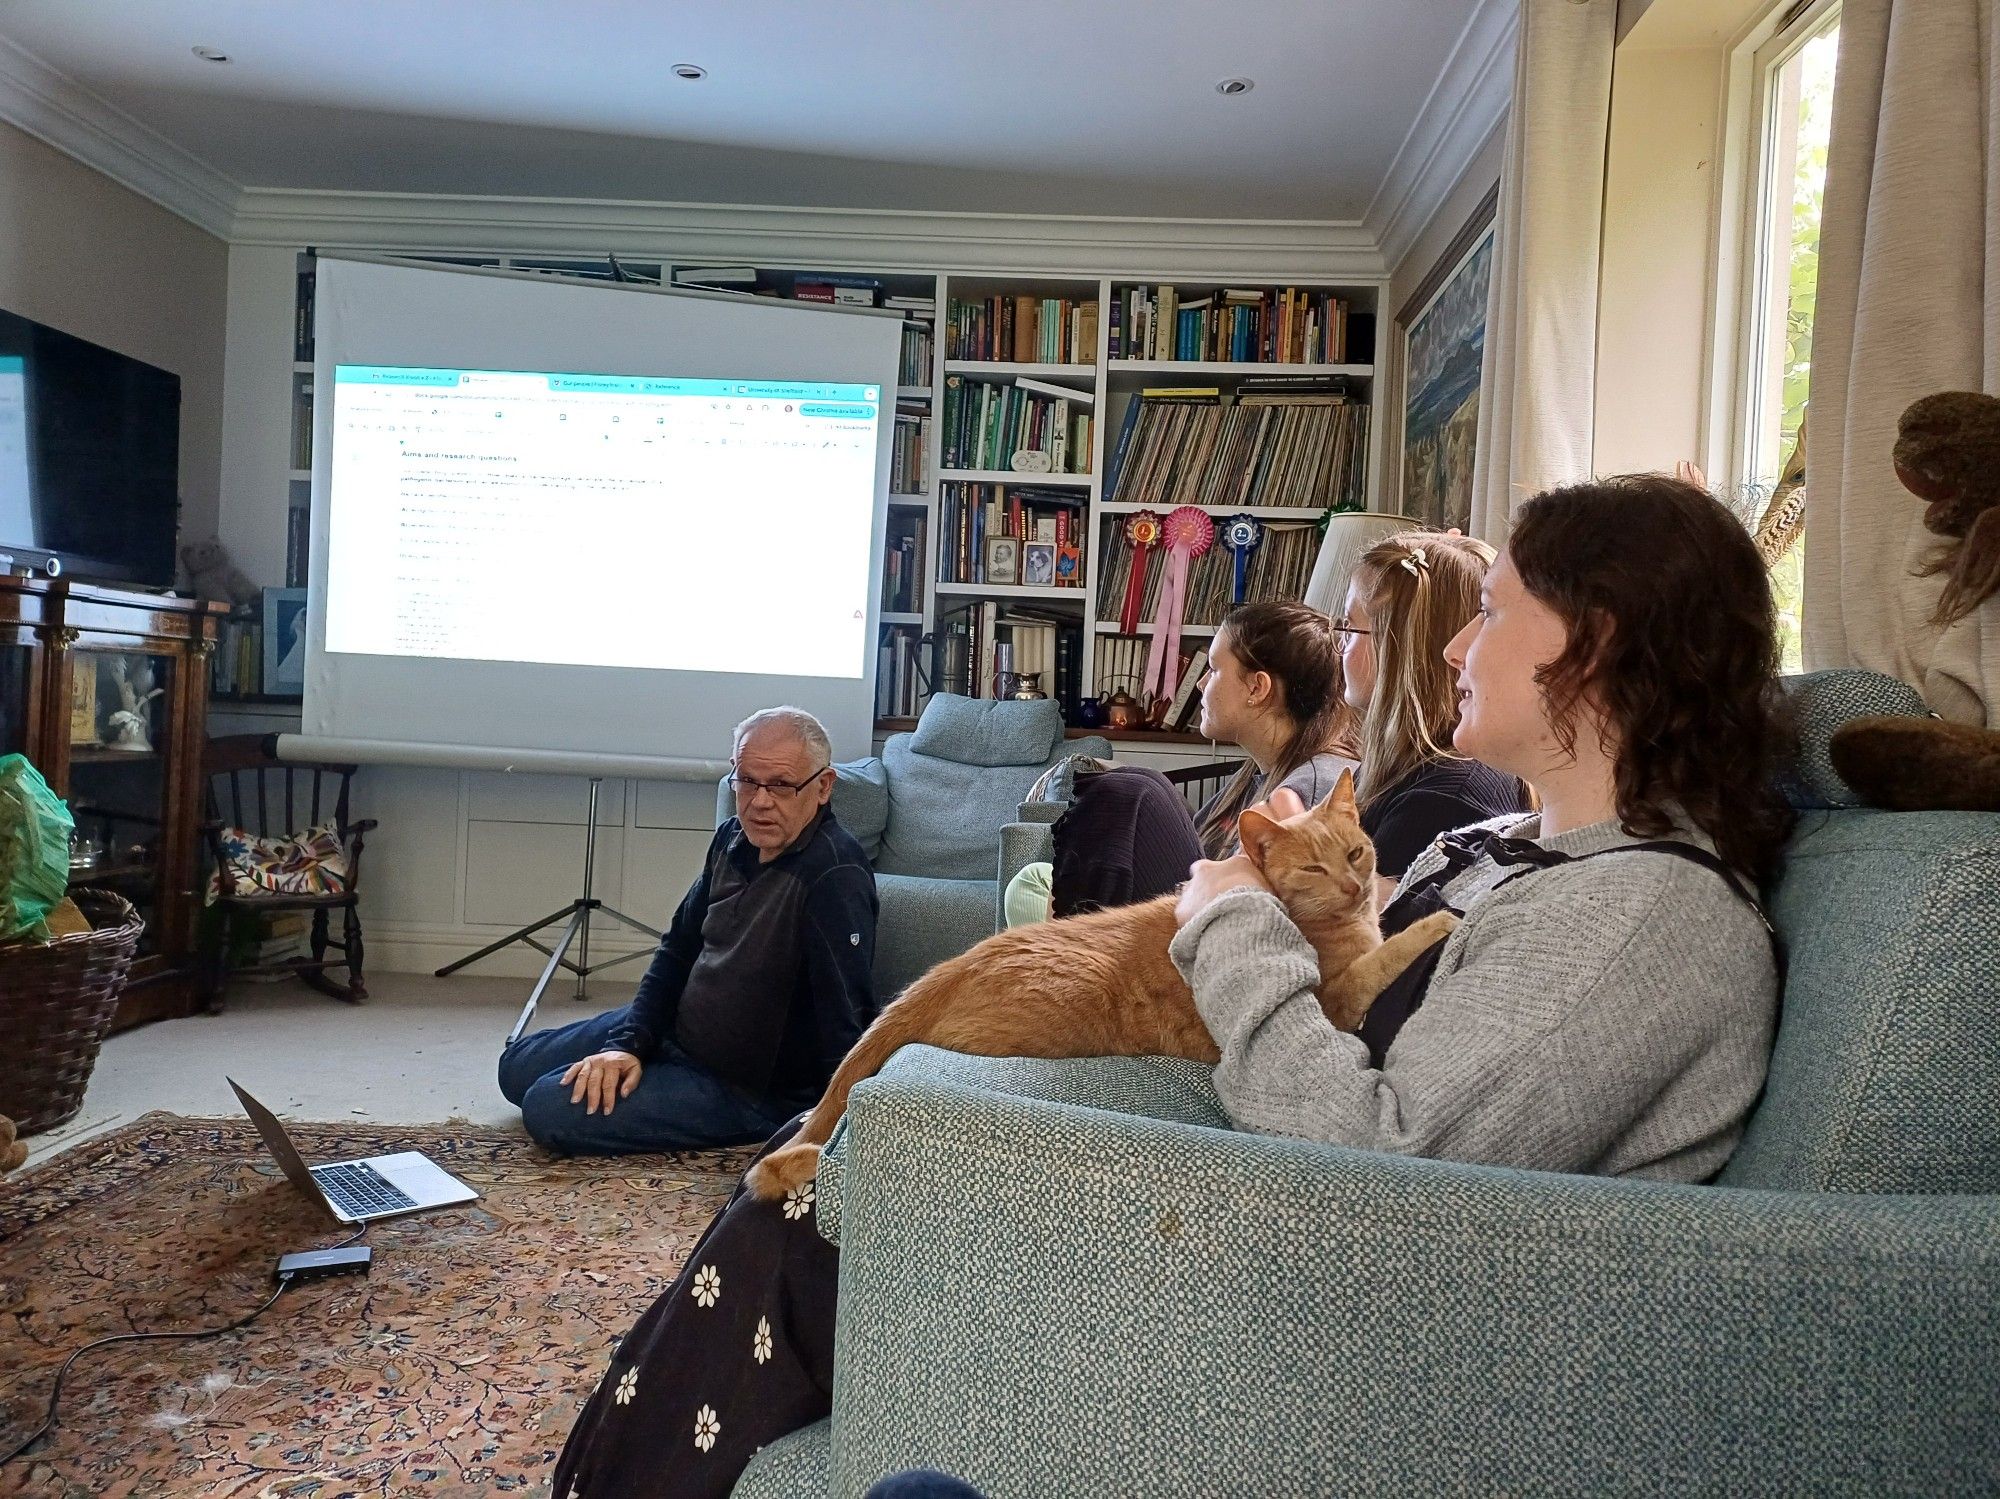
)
(1349, 533)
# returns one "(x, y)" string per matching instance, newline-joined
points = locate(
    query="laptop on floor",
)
(381, 1186)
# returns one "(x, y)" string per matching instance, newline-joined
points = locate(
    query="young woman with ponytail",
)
(1407, 597)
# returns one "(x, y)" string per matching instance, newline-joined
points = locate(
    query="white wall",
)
(1654, 291)
(82, 254)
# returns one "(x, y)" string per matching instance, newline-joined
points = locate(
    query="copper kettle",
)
(1123, 711)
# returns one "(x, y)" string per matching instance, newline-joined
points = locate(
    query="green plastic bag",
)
(34, 850)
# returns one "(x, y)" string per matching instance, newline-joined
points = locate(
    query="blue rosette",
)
(1241, 534)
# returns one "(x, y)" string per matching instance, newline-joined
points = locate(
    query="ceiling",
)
(1097, 107)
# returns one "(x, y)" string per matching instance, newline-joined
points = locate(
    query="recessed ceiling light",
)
(211, 54)
(1236, 85)
(689, 71)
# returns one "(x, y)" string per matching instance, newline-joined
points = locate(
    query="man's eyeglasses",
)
(781, 791)
(1342, 627)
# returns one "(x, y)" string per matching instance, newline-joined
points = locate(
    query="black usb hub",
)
(318, 1264)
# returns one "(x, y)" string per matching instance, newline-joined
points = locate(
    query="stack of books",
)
(1121, 662)
(908, 471)
(986, 423)
(899, 683)
(1049, 645)
(1023, 330)
(903, 562)
(1240, 326)
(1303, 445)
(1280, 568)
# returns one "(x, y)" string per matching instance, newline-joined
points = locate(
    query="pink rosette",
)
(1186, 533)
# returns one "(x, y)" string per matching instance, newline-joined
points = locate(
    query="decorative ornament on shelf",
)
(1187, 534)
(1029, 461)
(1240, 534)
(1142, 529)
(131, 723)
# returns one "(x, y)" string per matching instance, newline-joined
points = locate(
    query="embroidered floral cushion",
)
(310, 863)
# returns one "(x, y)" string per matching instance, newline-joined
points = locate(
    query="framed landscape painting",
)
(1444, 338)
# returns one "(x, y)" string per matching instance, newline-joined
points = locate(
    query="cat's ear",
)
(1254, 830)
(1340, 801)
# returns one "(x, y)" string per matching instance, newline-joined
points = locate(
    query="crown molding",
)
(880, 238)
(1469, 101)
(53, 108)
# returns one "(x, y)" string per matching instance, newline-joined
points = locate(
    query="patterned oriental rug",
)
(453, 1368)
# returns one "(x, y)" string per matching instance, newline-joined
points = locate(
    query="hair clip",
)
(1415, 563)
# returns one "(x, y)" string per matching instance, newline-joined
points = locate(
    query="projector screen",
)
(581, 526)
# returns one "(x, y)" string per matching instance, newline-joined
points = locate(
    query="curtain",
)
(1538, 375)
(1909, 304)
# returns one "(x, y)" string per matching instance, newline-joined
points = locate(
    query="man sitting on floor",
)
(758, 988)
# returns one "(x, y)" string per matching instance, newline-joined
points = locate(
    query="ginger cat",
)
(1102, 985)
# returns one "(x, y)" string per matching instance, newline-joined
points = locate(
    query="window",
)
(1791, 83)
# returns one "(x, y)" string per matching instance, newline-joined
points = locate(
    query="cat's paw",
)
(1434, 927)
(783, 1171)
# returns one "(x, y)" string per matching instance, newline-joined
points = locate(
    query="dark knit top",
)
(1436, 797)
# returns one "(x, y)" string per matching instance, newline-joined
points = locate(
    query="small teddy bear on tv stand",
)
(1947, 454)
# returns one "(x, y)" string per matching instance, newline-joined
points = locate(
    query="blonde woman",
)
(1408, 596)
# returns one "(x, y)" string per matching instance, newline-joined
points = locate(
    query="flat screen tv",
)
(89, 456)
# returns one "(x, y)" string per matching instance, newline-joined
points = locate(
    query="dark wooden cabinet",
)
(106, 692)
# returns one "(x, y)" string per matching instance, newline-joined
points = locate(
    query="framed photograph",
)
(1038, 564)
(83, 698)
(1003, 559)
(1443, 328)
(284, 642)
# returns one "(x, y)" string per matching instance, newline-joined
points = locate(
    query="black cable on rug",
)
(55, 1394)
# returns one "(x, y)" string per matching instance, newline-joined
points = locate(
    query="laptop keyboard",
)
(361, 1191)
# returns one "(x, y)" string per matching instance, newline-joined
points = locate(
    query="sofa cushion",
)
(1823, 702)
(969, 731)
(861, 802)
(1882, 1078)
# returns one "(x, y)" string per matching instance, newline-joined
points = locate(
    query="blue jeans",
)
(922, 1483)
(678, 1105)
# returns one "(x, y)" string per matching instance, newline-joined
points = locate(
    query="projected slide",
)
(601, 520)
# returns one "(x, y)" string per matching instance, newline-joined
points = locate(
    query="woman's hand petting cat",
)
(1210, 878)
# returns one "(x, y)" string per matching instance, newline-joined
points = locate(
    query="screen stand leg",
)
(577, 914)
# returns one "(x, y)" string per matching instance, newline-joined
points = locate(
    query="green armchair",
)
(1076, 1278)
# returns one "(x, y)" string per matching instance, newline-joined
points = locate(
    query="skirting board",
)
(413, 947)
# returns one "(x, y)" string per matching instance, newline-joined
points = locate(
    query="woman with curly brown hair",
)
(1607, 1001)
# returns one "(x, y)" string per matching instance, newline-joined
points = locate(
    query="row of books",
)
(842, 288)
(1305, 448)
(908, 470)
(236, 668)
(987, 423)
(903, 562)
(971, 514)
(1279, 568)
(302, 421)
(1121, 662)
(1048, 645)
(298, 545)
(899, 681)
(913, 365)
(1243, 325)
(303, 311)
(1023, 330)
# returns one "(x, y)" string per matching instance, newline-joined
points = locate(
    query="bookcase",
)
(1044, 412)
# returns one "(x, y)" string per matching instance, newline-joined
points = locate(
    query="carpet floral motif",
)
(455, 1367)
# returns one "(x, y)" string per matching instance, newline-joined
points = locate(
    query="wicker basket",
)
(57, 999)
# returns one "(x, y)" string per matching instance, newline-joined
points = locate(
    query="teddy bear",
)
(12, 1151)
(211, 575)
(1947, 454)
